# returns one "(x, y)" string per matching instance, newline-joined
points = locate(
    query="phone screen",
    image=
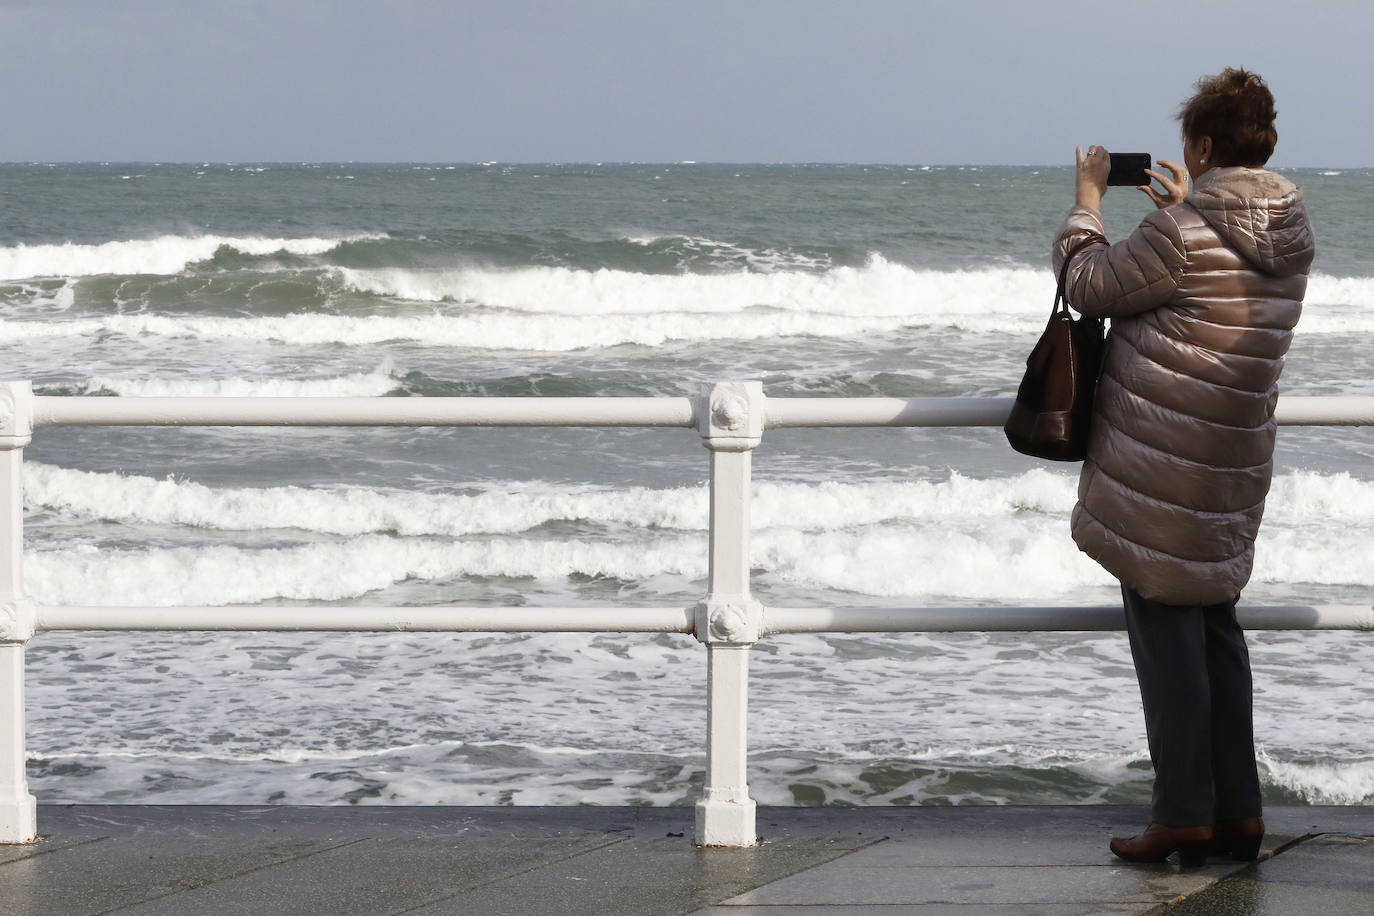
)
(1128, 169)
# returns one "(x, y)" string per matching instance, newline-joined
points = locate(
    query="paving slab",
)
(1325, 874)
(1019, 885)
(933, 909)
(646, 877)
(51, 844)
(210, 821)
(374, 877)
(99, 876)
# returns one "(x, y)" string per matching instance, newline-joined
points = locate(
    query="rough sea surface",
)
(617, 280)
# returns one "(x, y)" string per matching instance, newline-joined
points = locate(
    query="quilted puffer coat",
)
(1202, 298)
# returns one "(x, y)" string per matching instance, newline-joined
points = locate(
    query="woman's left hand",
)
(1091, 176)
(1175, 186)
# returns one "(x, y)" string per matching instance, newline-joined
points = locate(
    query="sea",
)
(612, 280)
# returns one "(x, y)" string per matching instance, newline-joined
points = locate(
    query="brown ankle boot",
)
(1239, 839)
(1158, 842)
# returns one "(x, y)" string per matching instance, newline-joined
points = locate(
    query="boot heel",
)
(1194, 854)
(1246, 849)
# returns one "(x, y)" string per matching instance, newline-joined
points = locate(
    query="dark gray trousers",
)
(1194, 674)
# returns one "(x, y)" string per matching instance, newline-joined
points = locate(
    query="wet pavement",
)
(931, 860)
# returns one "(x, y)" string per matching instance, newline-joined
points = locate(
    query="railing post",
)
(18, 810)
(729, 620)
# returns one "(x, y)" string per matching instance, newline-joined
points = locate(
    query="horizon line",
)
(487, 163)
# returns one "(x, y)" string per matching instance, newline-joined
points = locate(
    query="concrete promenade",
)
(371, 860)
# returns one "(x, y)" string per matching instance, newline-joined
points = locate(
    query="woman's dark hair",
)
(1236, 109)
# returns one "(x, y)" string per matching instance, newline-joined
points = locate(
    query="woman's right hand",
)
(1175, 186)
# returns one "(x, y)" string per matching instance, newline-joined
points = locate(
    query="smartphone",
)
(1128, 169)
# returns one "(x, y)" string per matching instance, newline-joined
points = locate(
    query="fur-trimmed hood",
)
(1258, 213)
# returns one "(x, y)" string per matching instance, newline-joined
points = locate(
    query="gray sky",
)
(905, 81)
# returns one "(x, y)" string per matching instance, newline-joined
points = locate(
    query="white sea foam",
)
(881, 288)
(727, 254)
(42, 297)
(356, 385)
(331, 571)
(460, 773)
(559, 309)
(164, 255)
(483, 330)
(353, 511)
(995, 539)
(1296, 499)
(1323, 783)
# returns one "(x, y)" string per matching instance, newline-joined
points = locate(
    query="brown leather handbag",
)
(1054, 405)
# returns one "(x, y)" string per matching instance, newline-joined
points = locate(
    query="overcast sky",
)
(902, 81)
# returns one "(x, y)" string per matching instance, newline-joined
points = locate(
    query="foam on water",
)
(1296, 498)
(503, 510)
(556, 309)
(504, 330)
(167, 254)
(329, 571)
(1323, 783)
(379, 382)
(473, 773)
(614, 719)
(992, 540)
(485, 330)
(698, 249)
(881, 288)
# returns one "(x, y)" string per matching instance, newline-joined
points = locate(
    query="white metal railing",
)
(730, 417)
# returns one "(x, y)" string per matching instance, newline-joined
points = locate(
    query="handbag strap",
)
(1061, 302)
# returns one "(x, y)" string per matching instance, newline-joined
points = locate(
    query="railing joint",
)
(733, 418)
(18, 621)
(735, 620)
(16, 414)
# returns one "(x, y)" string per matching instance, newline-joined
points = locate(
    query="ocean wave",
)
(555, 309)
(1019, 774)
(546, 333)
(485, 330)
(377, 383)
(690, 251)
(481, 772)
(219, 575)
(979, 540)
(1322, 782)
(1296, 499)
(350, 511)
(165, 255)
(880, 288)
(995, 563)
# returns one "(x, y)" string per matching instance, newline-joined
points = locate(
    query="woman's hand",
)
(1091, 180)
(1175, 187)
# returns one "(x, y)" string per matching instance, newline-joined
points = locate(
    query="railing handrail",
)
(684, 412)
(85, 410)
(581, 619)
(731, 419)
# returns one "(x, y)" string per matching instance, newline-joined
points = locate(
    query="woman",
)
(1203, 297)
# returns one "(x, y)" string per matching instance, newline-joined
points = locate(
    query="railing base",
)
(723, 822)
(18, 820)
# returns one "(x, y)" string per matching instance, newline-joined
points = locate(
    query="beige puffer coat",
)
(1203, 297)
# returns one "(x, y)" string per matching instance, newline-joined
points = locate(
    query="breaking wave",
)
(996, 539)
(165, 255)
